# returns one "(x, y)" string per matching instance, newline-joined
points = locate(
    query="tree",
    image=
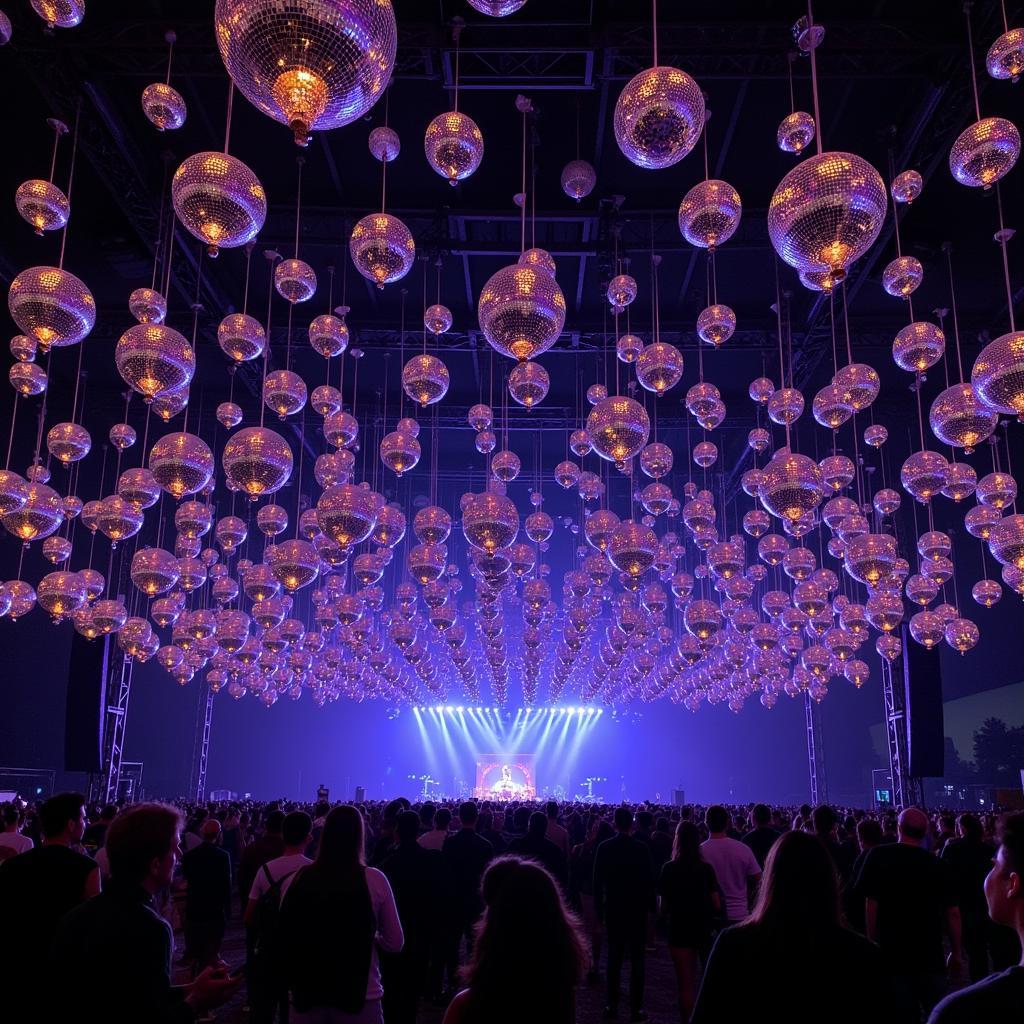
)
(999, 752)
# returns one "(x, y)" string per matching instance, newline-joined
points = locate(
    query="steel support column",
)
(815, 751)
(202, 753)
(896, 737)
(118, 693)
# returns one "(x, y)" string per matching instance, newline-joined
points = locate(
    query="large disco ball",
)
(60, 594)
(164, 106)
(521, 311)
(425, 379)
(60, 13)
(496, 8)
(902, 276)
(958, 418)
(490, 522)
(632, 548)
(578, 179)
(257, 461)
(40, 203)
(1005, 57)
(792, 486)
(924, 474)
(382, 248)
(154, 359)
(710, 213)
(454, 145)
(310, 64)
(328, 335)
(1006, 541)
(52, 306)
(241, 337)
(294, 563)
(295, 280)
(618, 427)
(998, 374)
(37, 517)
(13, 491)
(219, 200)
(827, 212)
(181, 463)
(399, 451)
(347, 513)
(918, 346)
(659, 367)
(659, 116)
(870, 557)
(285, 392)
(716, 324)
(528, 383)
(984, 152)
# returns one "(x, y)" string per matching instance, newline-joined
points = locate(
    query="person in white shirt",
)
(434, 839)
(297, 831)
(554, 832)
(11, 837)
(735, 865)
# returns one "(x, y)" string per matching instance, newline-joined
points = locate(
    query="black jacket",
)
(207, 869)
(623, 879)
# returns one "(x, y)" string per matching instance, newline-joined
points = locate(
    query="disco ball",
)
(795, 132)
(709, 214)
(987, 593)
(399, 451)
(285, 392)
(870, 557)
(927, 629)
(540, 260)
(294, 563)
(578, 179)
(521, 311)
(60, 13)
(454, 146)
(294, 280)
(785, 406)
(659, 367)
(341, 429)
(505, 466)
(1006, 541)
(28, 378)
(52, 306)
(139, 487)
(425, 379)
(886, 502)
(486, 441)
(325, 400)
(596, 393)
(24, 348)
(961, 634)
(659, 116)
(702, 619)
(311, 64)
(257, 461)
(271, 520)
(827, 212)
(163, 106)
(37, 517)
(875, 435)
(716, 324)
(1005, 57)
(42, 205)
(622, 291)
(759, 440)
(118, 519)
(979, 521)
(154, 359)
(14, 491)
(68, 442)
(432, 525)
(998, 374)
(907, 186)
(619, 428)
(997, 490)
(147, 306)
(761, 389)
(924, 475)
(490, 522)
(219, 200)
(496, 8)
(539, 526)
(837, 471)
(656, 460)
(902, 276)
(628, 349)
(830, 407)
(168, 405)
(528, 383)
(792, 486)
(705, 454)
(60, 594)
(241, 337)
(181, 463)
(567, 474)
(229, 414)
(382, 248)
(437, 319)
(154, 571)
(480, 417)
(918, 346)
(959, 419)
(632, 548)
(961, 480)
(860, 385)
(347, 513)
(984, 152)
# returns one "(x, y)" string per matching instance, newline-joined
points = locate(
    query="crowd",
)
(498, 913)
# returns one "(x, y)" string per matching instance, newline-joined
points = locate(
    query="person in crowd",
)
(529, 952)
(11, 838)
(761, 836)
(191, 837)
(415, 876)
(538, 847)
(558, 835)
(92, 838)
(644, 827)
(581, 889)
(267, 993)
(689, 893)
(335, 913)
(623, 896)
(467, 855)
(267, 847)
(908, 899)
(435, 838)
(662, 843)
(485, 826)
(824, 824)
(795, 942)
(945, 831)
(999, 997)
(120, 930)
(736, 867)
(869, 835)
(232, 839)
(37, 888)
(206, 870)
(387, 838)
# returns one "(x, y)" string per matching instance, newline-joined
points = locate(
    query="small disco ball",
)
(163, 106)
(13, 491)
(567, 474)
(792, 486)
(1006, 541)
(987, 593)
(830, 407)
(60, 13)
(870, 557)
(154, 571)
(997, 490)
(60, 594)
(437, 319)
(656, 460)
(480, 417)
(656, 498)
(540, 260)
(924, 474)
(181, 463)
(490, 522)
(619, 427)
(860, 384)
(257, 461)
(24, 348)
(795, 132)
(596, 393)
(294, 563)
(271, 520)
(38, 516)
(42, 205)
(341, 429)
(454, 145)
(52, 306)
(316, 65)
(827, 212)
(659, 116)
(496, 8)
(68, 442)
(505, 466)
(705, 454)
(425, 379)
(709, 214)
(399, 451)
(759, 440)
(147, 306)
(528, 383)
(785, 406)
(622, 291)
(325, 400)
(241, 337)
(716, 324)
(27, 378)
(219, 200)
(632, 548)
(958, 418)
(382, 248)
(118, 519)
(837, 471)
(875, 435)
(628, 348)
(918, 346)
(985, 152)
(1005, 57)
(521, 311)
(761, 390)
(154, 359)
(578, 179)
(139, 487)
(979, 521)
(295, 280)
(486, 441)
(432, 525)
(328, 335)
(659, 367)
(907, 186)
(961, 481)
(998, 374)
(927, 628)
(285, 392)
(168, 405)
(902, 276)
(962, 634)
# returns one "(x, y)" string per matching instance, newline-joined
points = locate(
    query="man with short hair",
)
(97, 831)
(824, 823)
(554, 832)
(735, 865)
(761, 837)
(434, 839)
(121, 929)
(908, 898)
(11, 838)
(536, 846)
(259, 851)
(207, 870)
(999, 997)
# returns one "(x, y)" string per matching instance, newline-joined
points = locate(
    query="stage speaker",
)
(360, 794)
(83, 706)
(678, 797)
(922, 689)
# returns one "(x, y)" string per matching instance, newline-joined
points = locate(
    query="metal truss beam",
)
(815, 751)
(896, 737)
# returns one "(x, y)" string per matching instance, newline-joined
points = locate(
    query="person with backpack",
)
(267, 993)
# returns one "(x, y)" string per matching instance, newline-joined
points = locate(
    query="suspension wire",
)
(71, 181)
(819, 128)
(227, 124)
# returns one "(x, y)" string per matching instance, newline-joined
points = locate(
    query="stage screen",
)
(505, 777)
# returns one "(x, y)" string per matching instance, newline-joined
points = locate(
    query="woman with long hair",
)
(334, 915)
(689, 895)
(795, 941)
(528, 955)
